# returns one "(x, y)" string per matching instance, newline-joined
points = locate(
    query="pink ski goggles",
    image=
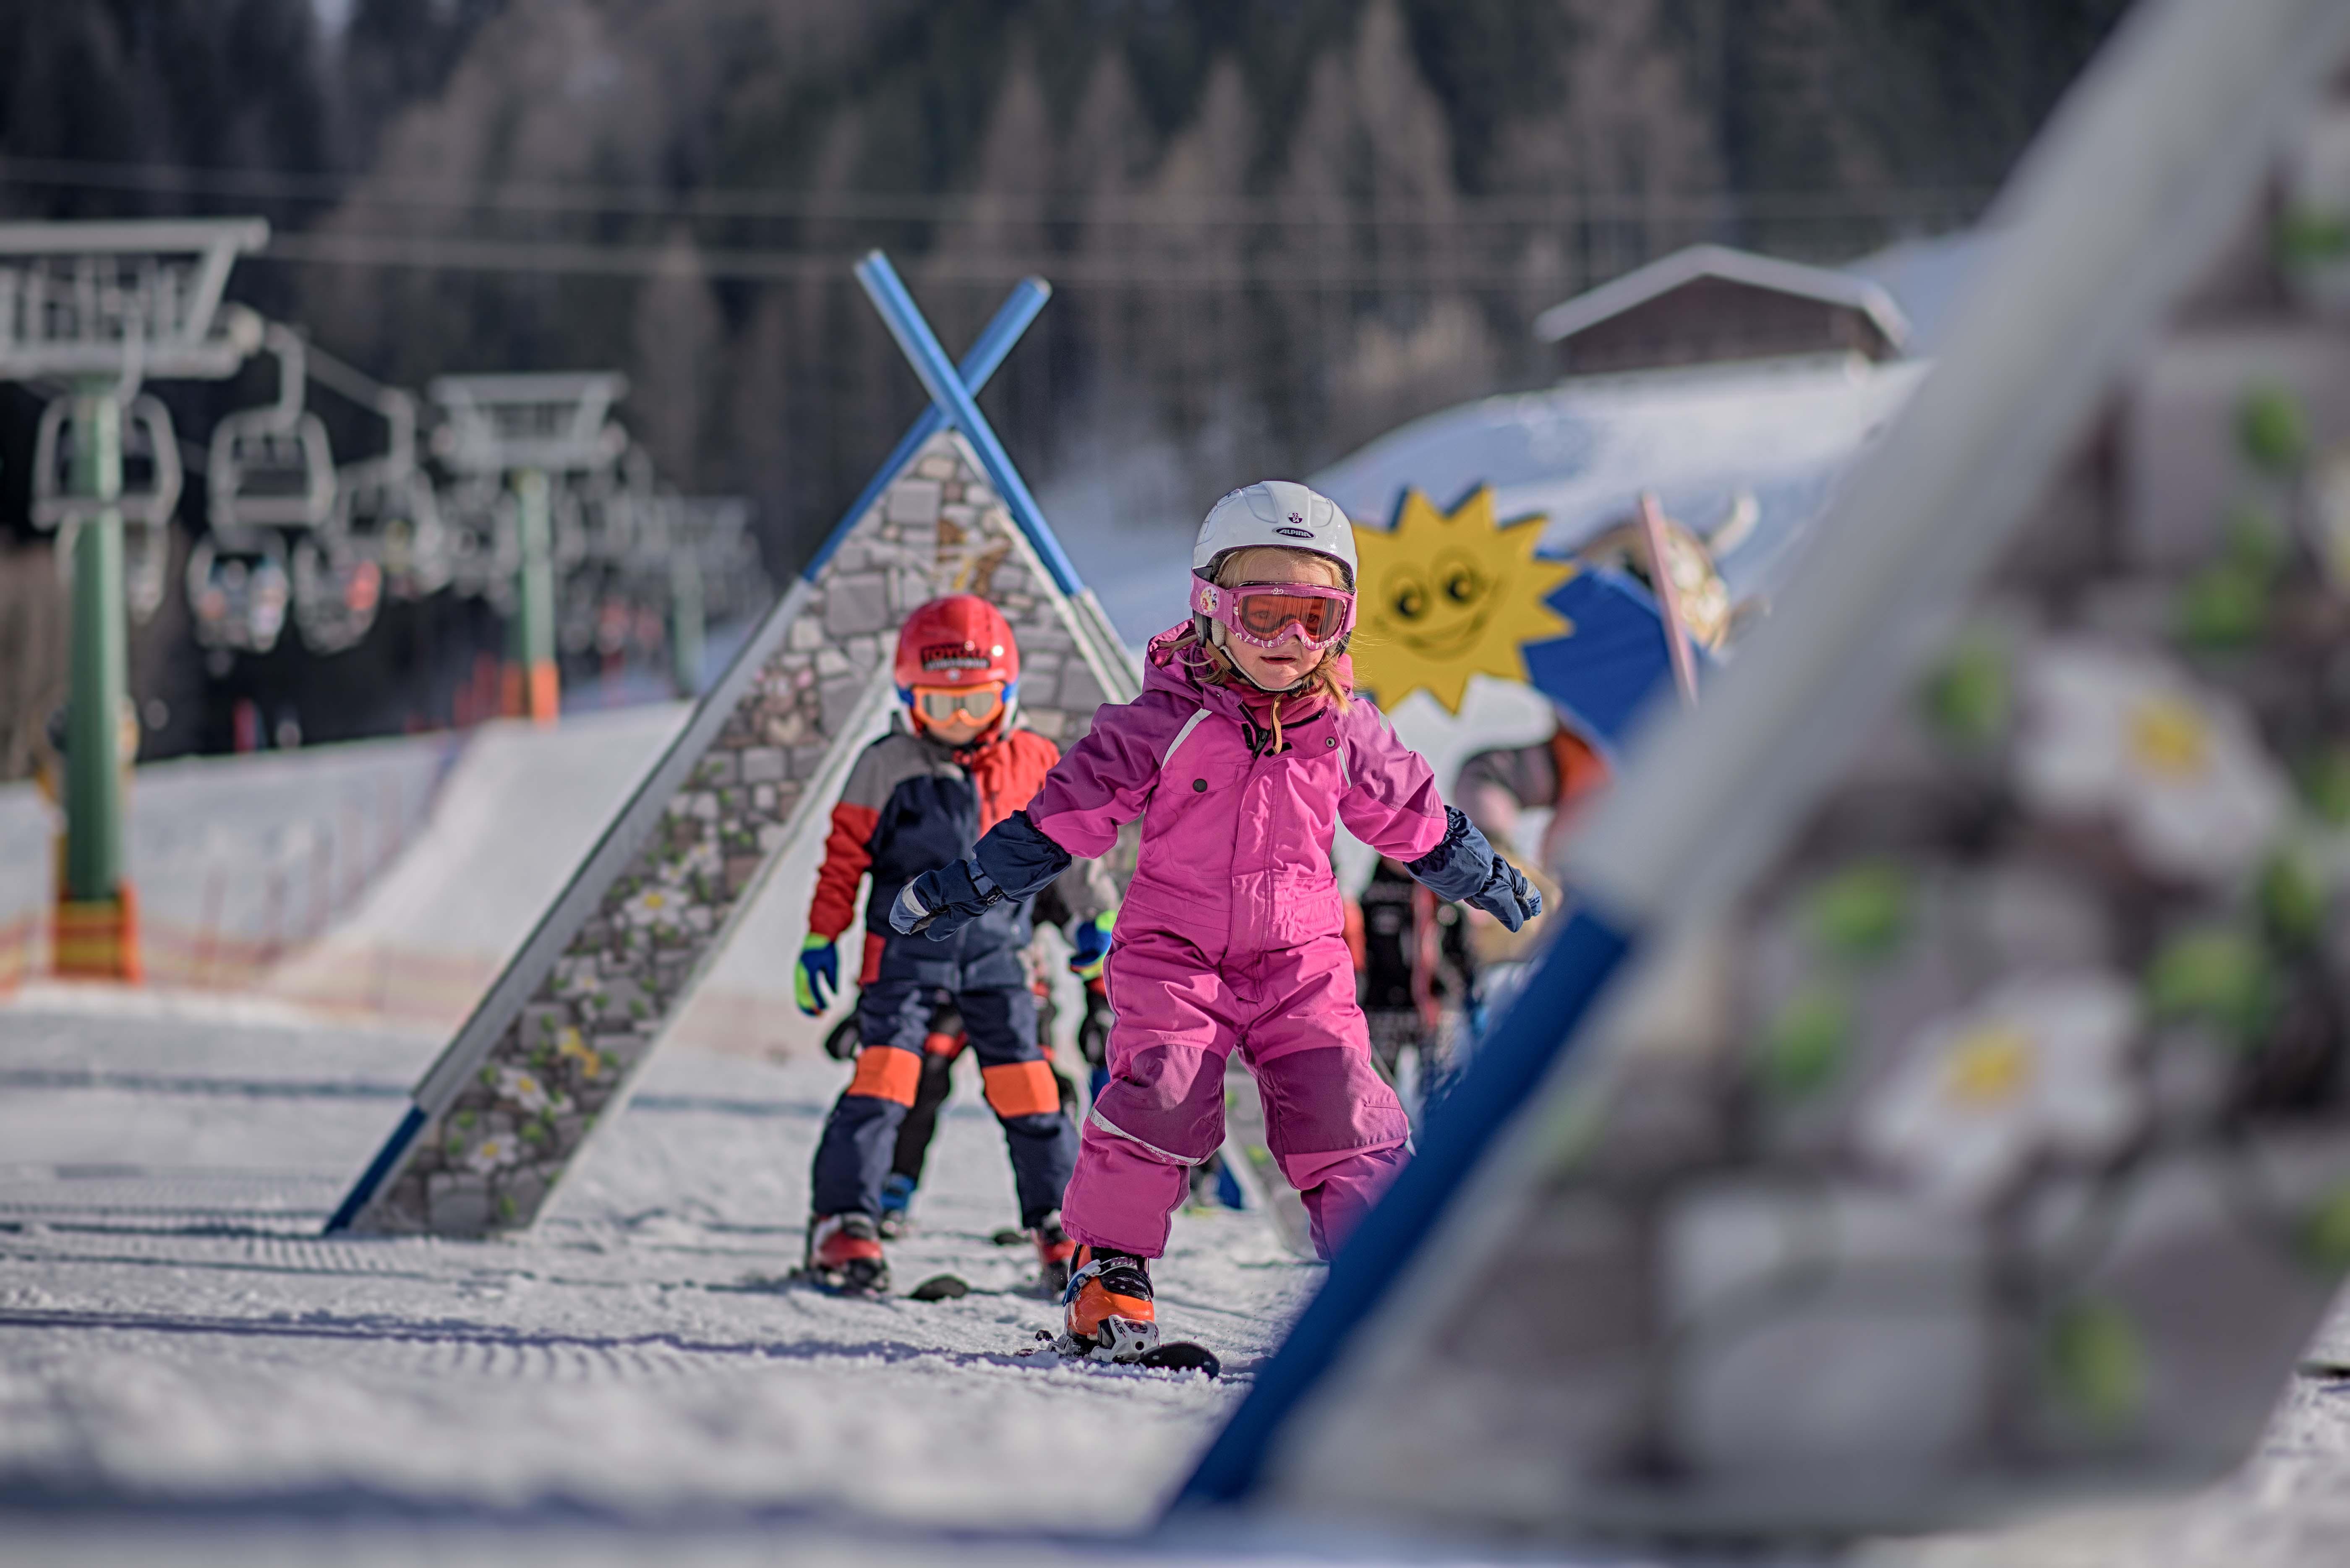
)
(1265, 614)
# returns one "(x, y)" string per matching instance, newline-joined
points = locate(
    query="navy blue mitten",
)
(1013, 861)
(940, 903)
(1463, 868)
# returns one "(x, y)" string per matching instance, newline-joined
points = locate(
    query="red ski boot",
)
(1054, 1252)
(844, 1254)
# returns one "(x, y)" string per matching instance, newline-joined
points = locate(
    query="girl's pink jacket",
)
(1236, 855)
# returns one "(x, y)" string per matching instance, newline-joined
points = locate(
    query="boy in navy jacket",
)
(952, 766)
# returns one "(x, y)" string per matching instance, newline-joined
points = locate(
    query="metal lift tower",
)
(96, 309)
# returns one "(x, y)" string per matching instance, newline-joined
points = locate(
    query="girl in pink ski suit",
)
(1231, 933)
(1232, 937)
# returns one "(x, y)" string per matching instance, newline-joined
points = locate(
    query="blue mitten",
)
(1465, 868)
(1507, 896)
(940, 903)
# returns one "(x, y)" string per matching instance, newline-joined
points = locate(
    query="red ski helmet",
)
(958, 640)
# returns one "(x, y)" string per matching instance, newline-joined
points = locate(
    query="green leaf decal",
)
(1806, 1043)
(1862, 911)
(2099, 1364)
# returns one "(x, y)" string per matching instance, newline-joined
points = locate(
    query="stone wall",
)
(487, 1160)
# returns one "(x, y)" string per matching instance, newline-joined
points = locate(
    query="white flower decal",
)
(525, 1090)
(2177, 767)
(494, 1152)
(2036, 1066)
(654, 907)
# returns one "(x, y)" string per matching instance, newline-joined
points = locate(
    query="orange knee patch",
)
(887, 1073)
(1022, 1088)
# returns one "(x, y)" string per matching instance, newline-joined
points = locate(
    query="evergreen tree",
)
(208, 84)
(398, 52)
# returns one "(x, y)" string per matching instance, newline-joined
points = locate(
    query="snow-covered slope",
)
(518, 810)
(236, 859)
(189, 1374)
(171, 1328)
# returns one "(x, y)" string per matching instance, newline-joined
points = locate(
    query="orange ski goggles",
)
(939, 704)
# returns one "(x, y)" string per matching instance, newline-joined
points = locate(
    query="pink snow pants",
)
(1337, 1129)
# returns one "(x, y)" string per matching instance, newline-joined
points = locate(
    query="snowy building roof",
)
(1713, 302)
(1925, 278)
(1704, 439)
(1581, 452)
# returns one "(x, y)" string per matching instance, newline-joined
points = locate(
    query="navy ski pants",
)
(860, 1138)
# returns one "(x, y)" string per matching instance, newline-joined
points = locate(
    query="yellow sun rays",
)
(1445, 596)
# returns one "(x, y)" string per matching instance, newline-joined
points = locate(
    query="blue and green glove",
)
(818, 979)
(1091, 939)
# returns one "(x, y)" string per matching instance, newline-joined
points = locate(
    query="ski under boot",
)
(1054, 1252)
(897, 1206)
(1109, 1313)
(844, 1254)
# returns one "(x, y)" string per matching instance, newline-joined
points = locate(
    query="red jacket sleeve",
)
(847, 851)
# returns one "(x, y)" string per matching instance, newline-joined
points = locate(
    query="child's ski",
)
(1174, 1355)
(937, 1288)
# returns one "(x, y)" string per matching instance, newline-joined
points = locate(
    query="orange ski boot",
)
(1110, 1314)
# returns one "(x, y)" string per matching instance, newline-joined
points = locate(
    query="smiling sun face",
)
(1445, 596)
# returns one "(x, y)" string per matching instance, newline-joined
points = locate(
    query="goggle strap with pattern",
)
(1264, 615)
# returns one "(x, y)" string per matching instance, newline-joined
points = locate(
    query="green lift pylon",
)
(535, 430)
(97, 930)
(538, 688)
(104, 308)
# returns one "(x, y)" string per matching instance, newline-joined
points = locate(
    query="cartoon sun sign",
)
(1445, 596)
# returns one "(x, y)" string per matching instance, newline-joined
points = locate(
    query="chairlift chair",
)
(658, 533)
(385, 510)
(607, 520)
(567, 527)
(151, 480)
(597, 522)
(734, 580)
(485, 539)
(238, 591)
(272, 467)
(338, 589)
(612, 504)
(597, 613)
(396, 523)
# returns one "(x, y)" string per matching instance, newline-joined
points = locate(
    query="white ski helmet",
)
(1281, 512)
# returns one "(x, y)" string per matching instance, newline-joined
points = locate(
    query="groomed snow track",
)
(177, 1339)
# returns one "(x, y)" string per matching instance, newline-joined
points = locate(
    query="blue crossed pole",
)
(954, 401)
(994, 345)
